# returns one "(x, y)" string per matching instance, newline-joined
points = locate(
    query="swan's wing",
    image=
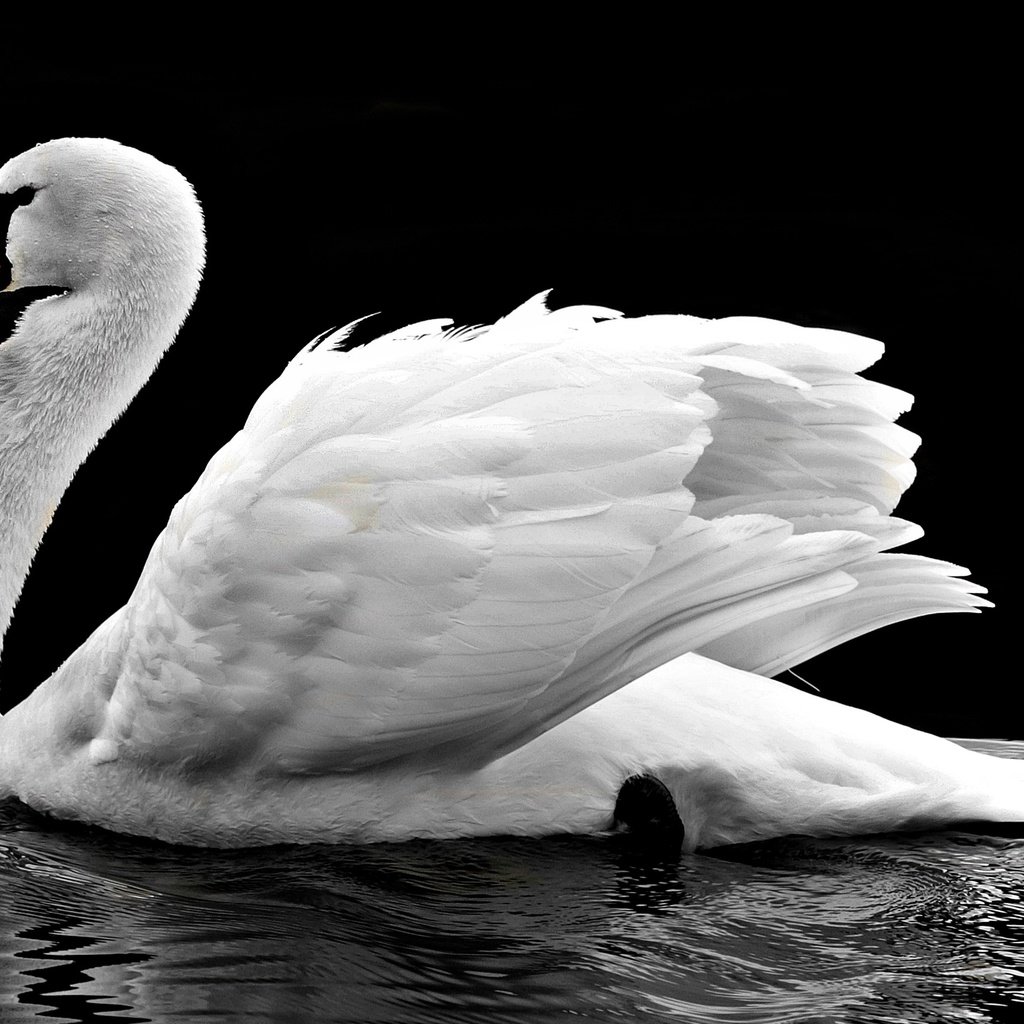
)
(452, 541)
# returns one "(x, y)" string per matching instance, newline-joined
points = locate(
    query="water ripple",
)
(891, 928)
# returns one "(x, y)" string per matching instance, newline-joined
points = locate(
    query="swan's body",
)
(419, 593)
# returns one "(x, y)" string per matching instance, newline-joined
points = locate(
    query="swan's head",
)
(100, 212)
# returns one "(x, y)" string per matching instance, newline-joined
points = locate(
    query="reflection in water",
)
(100, 927)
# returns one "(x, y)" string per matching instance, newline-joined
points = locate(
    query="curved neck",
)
(70, 368)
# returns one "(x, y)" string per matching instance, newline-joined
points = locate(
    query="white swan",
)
(418, 593)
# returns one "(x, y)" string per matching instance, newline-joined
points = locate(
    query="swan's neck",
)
(69, 370)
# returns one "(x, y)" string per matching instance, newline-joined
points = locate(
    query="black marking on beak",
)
(13, 304)
(9, 202)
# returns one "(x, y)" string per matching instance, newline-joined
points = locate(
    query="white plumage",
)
(417, 592)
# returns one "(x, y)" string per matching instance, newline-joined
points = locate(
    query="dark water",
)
(894, 928)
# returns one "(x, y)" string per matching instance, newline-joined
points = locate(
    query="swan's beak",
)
(14, 285)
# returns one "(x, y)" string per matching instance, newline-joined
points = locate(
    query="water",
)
(893, 928)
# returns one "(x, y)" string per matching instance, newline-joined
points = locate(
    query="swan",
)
(464, 582)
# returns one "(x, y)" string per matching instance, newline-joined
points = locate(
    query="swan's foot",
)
(645, 808)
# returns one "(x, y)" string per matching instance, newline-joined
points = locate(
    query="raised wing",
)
(451, 541)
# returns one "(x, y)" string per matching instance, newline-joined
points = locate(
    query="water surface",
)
(891, 928)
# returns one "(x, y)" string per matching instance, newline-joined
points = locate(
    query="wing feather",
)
(443, 543)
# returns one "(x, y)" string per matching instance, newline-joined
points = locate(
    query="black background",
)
(869, 193)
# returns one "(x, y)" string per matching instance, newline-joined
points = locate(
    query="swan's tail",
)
(796, 764)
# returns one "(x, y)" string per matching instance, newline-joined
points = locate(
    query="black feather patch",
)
(645, 807)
